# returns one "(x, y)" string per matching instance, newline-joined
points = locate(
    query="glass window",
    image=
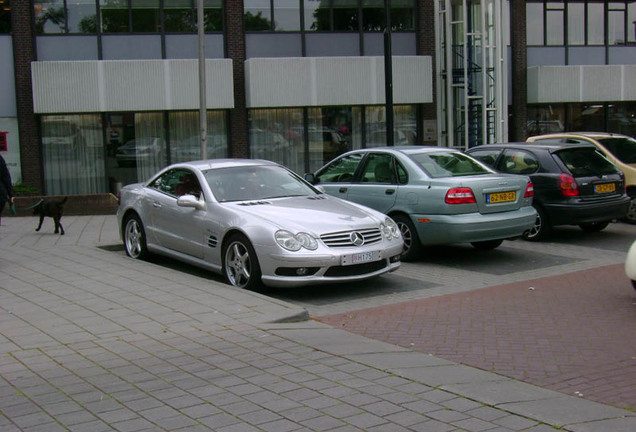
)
(402, 15)
(277, 135)
(576, 24)
(489, 157)
(543, 119)
(586, 162)
(621, 118)
(587, 117)
(378, 168)
(373, 15)
(213, 15)
(179, 16)
(518, 162)
(448, 164)
(81, 16)
(341, 170)
(50, 16)
(631, 22)
(595, 24)
(616, 24)
(554, 23)
(623, 148)
(534, 23)
(114, 16)
(286, 15)
(185, 140)
(345, 15)
(145, 16)
(329, 134)
(316, 14)
(258, 15)
(73, 154)
(5, 16)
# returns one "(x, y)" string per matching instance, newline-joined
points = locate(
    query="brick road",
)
(574, 333)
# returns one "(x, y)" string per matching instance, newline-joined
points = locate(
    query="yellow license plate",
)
(500, 197)
(604, 188)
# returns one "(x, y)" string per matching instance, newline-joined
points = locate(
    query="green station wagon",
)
(436, 195)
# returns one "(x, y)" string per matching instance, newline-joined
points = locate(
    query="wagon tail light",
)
(568, 185)
(529, 190)
(461, 195)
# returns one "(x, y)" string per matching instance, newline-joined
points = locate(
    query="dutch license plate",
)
(359, 258)
(604, 188)
(500, 197)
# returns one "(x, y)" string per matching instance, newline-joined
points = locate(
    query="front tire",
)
(240, 263)
(135, 238)
(487, 245)
(412, 246)
(541, 227)
(594, 226)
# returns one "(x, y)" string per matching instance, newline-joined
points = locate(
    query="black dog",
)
(52, 207)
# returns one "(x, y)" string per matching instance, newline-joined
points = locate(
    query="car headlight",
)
(390, 229)
(294, 242)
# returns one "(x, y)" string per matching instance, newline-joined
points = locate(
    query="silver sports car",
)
(255, 222)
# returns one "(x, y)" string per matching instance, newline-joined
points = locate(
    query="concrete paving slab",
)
(567, 411)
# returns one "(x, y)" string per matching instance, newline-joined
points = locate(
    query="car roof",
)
(551, 146)
(581, 134)
(410, 149)
(222, 163)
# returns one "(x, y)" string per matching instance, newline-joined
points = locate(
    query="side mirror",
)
(310, 178)
(191, 201)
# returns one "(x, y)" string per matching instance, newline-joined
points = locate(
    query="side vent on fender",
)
(213, 241)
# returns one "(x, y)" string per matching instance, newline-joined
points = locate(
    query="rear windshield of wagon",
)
(448, 164)
(583, 162)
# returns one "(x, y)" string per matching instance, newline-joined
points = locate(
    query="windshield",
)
(623, 148)
(586, 162)
(448, 164)
(250, 183)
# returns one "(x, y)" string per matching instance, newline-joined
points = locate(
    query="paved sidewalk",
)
(91, 340)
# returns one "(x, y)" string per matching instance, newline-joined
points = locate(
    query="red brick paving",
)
(574, 333)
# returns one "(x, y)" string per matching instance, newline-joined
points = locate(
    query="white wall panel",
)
(601, 83)
(129, 85)
(65, 87)
(321, 81)
(554, 84)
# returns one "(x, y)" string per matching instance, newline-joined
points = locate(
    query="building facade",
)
(101, 93)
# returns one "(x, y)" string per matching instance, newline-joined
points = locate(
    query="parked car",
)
(436, 195)
(141, 151)
(619, 149)
(630, 264)
(574, 184)
(255, 222)
(190, 148)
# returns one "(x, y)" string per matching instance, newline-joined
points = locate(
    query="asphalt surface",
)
(91, 340)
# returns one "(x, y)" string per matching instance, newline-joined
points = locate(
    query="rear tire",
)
(240, 263)
(541, 227)
(135, 238)
(412, 246)
(594, 226)
(487, 245)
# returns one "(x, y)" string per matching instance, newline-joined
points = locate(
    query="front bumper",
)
(280, 270)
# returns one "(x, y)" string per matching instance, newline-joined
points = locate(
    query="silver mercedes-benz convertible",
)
(255, 222)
